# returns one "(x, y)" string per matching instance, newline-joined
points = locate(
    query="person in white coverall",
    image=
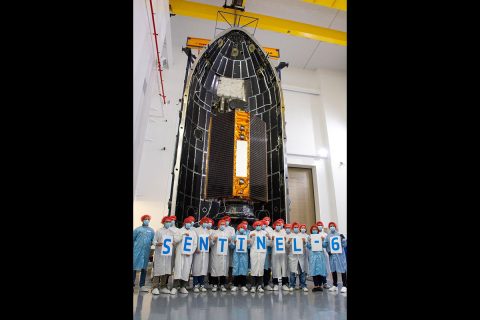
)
(231, 231)
(219, 262)
(162, 264)
(200, 259)
(183, 261)
(257, 258)
(279, 259)
(296, 262)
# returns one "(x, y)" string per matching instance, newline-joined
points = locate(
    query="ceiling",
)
(299, 52)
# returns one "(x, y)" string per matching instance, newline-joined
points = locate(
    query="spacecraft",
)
(230, 157)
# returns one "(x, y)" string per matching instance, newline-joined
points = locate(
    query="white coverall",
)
(183, 262)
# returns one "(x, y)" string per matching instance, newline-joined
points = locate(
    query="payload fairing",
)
(231, 156)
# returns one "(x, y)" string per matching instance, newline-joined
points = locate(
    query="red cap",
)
(330, 223)
(313, 227)
(189, 219)
(227, 218)
(145, 216)
(265, 222)
(257, 223)
(279, 221)
(319, 223)
(295, 224)
(173, 218)
(221, 221)
(303, 225)
(241, 225)
(164, 219)
(267, 218)
(287, 225)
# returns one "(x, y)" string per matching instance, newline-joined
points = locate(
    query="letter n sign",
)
(261, 244)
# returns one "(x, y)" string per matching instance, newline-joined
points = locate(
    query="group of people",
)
(281, 253)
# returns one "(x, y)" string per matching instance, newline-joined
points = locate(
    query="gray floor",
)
(241, 305)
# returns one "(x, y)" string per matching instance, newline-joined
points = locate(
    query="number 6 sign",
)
(335, 244)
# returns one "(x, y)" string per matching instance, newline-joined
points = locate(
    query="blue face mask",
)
(263, 227)
(287, 231)
(278, 228)
(205, 225)
(332, 229)
(258, 228)
(222, 227)
(242, 231)
(304, 230)
(166, 225)
(227, 223)
(314, 231)
(209, 225)
(188, 225)
(146, 222)
(295, 230)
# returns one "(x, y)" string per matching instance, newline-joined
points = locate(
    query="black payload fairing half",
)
(230, 156)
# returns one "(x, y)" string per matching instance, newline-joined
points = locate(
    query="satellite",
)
(230, 157)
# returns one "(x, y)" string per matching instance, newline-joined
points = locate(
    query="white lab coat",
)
(257, 259)
(162, 264)
(219, 263)
(295, 259)
(231, 233)
(200, 260)
(183, 262)
(279, 260)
